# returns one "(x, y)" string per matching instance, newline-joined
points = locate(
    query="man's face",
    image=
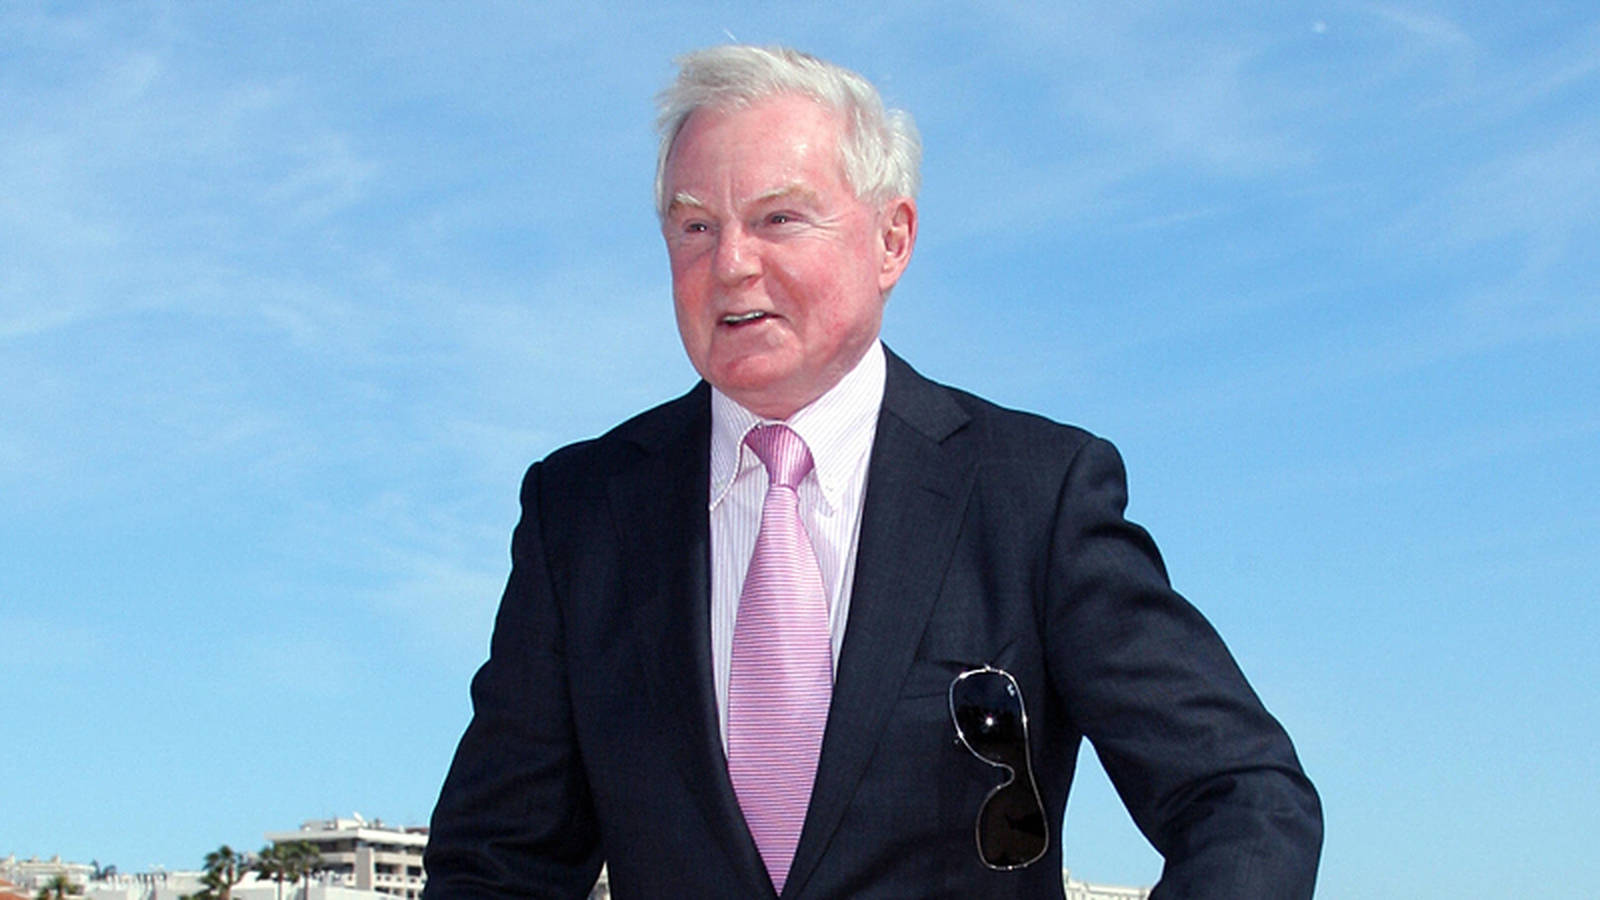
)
(779, 272)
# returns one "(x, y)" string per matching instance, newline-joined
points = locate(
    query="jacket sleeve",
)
(514, 818)
(1208, 775)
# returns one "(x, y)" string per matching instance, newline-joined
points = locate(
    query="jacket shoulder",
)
(590, 462)
(943, 412)
(643, 433)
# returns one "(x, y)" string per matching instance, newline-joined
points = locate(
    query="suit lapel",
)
(917, 488)
(660, 513)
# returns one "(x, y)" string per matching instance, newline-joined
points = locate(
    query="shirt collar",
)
(837, 427)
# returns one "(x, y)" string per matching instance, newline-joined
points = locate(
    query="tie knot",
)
(782, 451)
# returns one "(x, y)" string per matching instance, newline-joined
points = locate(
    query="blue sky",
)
(290, 295)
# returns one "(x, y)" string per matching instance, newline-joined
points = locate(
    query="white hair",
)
(879, 150)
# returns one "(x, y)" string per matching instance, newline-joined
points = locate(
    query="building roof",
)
(8, 891)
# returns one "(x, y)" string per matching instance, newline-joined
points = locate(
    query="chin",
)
(757, 375)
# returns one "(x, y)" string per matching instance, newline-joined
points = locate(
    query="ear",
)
(899, 231)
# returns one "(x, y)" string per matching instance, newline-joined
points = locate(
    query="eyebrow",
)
(684, 199)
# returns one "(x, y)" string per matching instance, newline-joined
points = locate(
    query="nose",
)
(736, 259)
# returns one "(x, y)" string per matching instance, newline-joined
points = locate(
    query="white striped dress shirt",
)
(838, 427)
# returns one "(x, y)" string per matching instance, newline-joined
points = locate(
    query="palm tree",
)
(306, 862)
(225, 867)
(274, 862)
(59, 887)
(289, 862)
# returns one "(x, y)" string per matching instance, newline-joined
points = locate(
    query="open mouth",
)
(754, 315)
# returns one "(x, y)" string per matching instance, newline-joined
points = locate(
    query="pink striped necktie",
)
(781, 675)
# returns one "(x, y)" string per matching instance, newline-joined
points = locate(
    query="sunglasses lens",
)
(990, 716)
(1011, 828)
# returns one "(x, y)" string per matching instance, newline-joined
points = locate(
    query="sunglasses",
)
(986, 706)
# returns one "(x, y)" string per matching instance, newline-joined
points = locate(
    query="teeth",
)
(746, 317)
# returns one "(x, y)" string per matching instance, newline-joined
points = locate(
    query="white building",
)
(158, 885)
(34, 873)
(365, 856)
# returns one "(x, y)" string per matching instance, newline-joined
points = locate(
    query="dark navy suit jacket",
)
(988, 537)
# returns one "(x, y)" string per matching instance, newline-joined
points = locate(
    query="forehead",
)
(770, 144)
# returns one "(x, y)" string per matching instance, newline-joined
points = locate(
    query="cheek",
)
(687, 267)
(810, 288)
(689, 290)
(689, 309)
(838, 309)
(693, 331)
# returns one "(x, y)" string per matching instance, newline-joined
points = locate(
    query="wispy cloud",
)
(134, 179)
(1543, 195)
(1427, 29)
(1116, 101)
(326, 176)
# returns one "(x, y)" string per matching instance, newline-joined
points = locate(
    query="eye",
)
(779, 219)
(695, 228)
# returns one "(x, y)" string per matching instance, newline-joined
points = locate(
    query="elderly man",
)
(821, 627)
